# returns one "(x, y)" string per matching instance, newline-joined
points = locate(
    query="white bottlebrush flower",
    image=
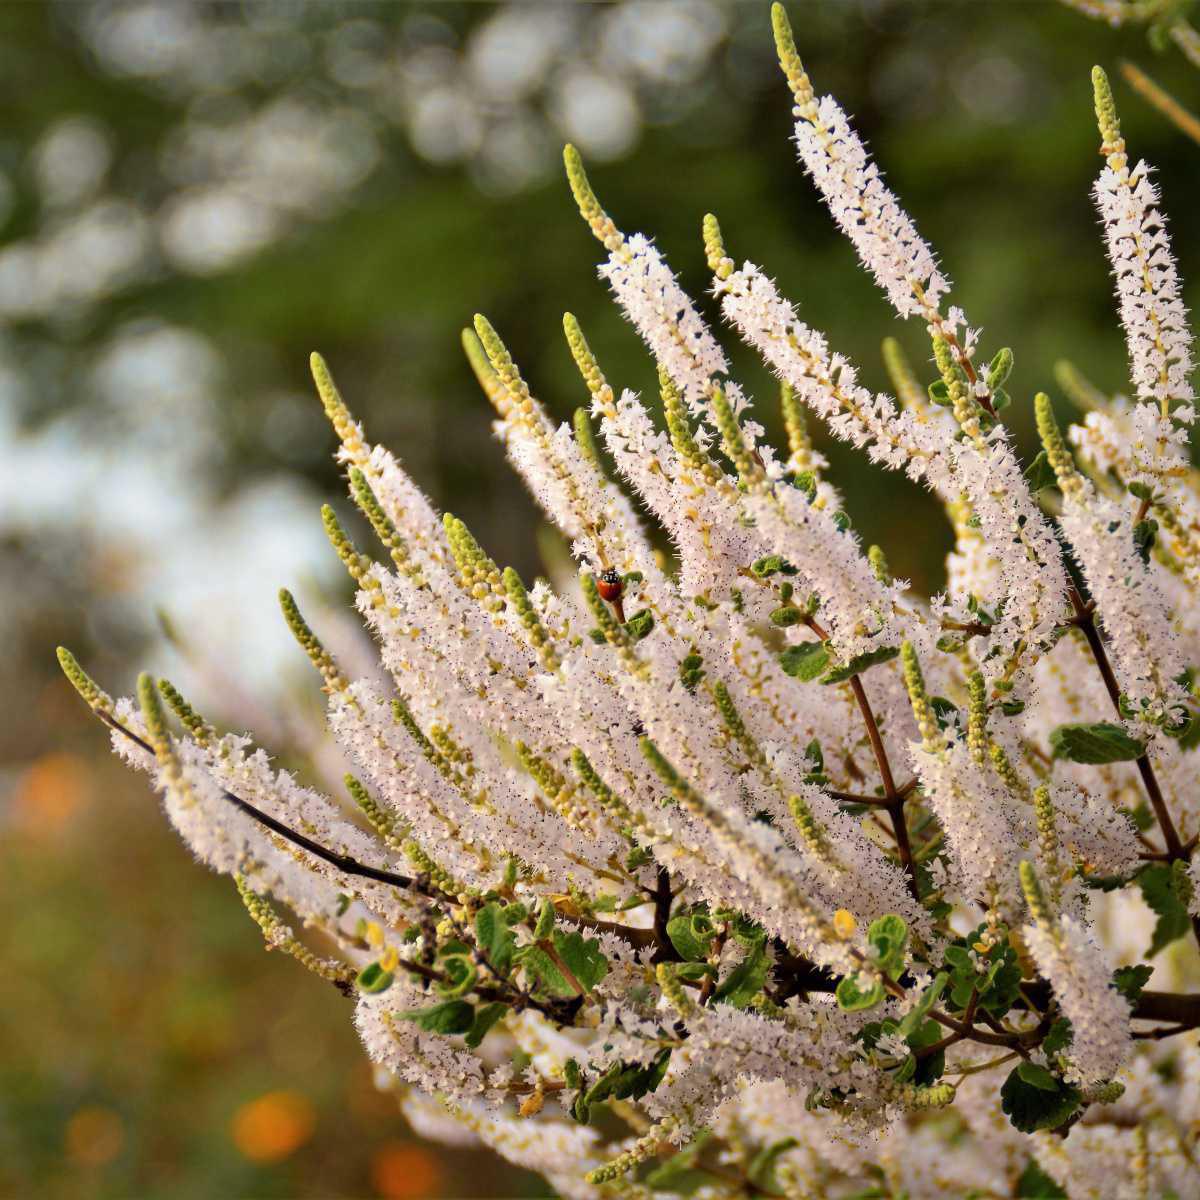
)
(1080, 975)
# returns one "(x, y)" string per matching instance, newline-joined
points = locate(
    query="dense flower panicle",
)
(828, 383)
(866, 211)
(666, 318)
(719, 872)
(1030, 581)
(1147, 285)
(1134, 612)
(1080, 975)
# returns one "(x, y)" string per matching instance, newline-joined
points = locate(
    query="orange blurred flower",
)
(401, 1170)
(274, 1125)
(94, 1136)
(50, 792)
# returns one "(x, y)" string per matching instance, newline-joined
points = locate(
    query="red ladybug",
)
(611, 586)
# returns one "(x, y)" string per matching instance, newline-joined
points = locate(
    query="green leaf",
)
(944, 710)
(746, 980)
(691, 671)
(1035, 1184)
(1003, 983)
(485, 1018)
(640, 624)
(787, 615)
(678, 1173)
(806, 482)
(888, 936)
(1031, 1108)
(1102, 742)
(1189, 738)
(449, 1017)
(860, 663)
(545, 922)
(999, 368)
(1160, 890)
(853, 998)
(761, 1172)
(460, 972)
(1144, 535)
(627, 1081)
(1129, 981)
(764, 568)
(939, 394)
(744, 930)
(691, 934)
(542, 973)
(960, 959)
(582, 956)
(374, 979)
(927, 999)
(1059, 1037)
(816, 755)
(927, 1070)
(1037, 1077)
(495, 937)
(694, 971)
(1040, 474)
(805, 661)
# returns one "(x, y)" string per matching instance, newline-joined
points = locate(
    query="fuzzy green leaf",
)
(1037, 1076)
(1098, 743)
(691, 934)
(927, 999)
(582, 956)
(860, 663)
(374, 979)
(805, 661)
(449, 1017)
(853, 998)
(1160, 890)
(1129, 981)
(1031, 1108)
(495, 936)
(888, 936)
(746, 980)
(485, 1018)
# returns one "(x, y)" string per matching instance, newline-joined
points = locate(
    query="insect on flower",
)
(610, 585)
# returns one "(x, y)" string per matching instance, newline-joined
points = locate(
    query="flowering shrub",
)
(747, 871)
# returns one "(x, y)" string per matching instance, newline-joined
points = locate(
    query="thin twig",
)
(893, 797)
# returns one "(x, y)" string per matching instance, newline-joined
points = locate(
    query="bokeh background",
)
(195, 195)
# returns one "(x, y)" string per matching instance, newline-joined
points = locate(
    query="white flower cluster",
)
(751, 849)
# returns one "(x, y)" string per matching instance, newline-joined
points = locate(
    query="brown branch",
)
(970, 628)
(1085, 619)
(893, 797)
(351, 866)
(1176, 851)
(547, 948)
(664, 948)
(710, 981)
(1164, 1032)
